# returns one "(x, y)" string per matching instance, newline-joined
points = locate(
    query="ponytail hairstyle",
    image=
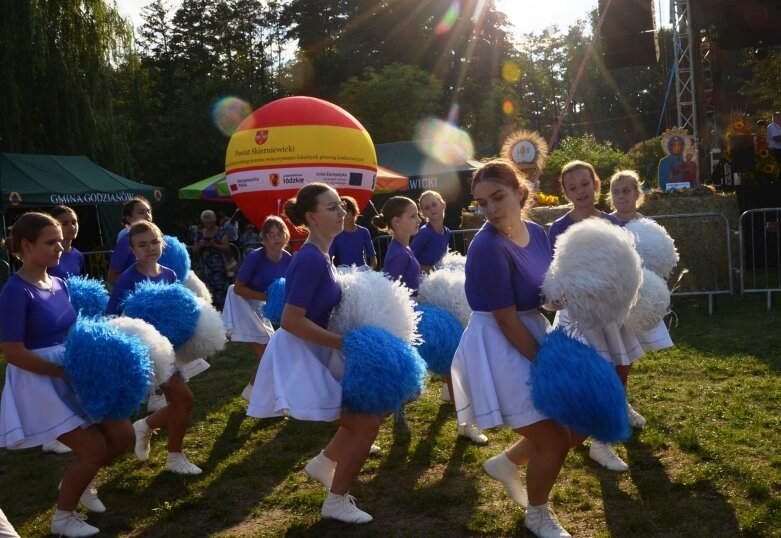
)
(129, 206)
(504, 172)
(304, 202)
(394, 207)
(28, 227)
(58, 210)
(350, 205)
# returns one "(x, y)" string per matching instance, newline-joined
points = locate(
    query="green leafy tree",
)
(390, 103)
(56, 75)
(602, 155)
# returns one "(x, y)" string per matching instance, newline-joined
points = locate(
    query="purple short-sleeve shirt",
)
(430, 247)
(310, 283)
(127, 281)
(39, 318)
(352, 248)
(122, 257)
(71, 263)
(499, 273)
(400, 264)
(560, 225)
(257, 271)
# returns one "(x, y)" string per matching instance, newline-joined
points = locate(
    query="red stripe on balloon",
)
(299, 110)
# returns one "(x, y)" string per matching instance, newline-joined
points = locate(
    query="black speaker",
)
(626, 50)
(736, 24)
(628, 16)
(741, 148)
(629, 33)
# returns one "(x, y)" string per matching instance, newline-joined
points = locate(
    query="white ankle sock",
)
(61, 514)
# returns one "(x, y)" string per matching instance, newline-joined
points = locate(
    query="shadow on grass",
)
(740, 325)
(664, 508)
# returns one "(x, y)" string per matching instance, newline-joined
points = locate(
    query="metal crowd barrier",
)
(760, 249)
(703, 242)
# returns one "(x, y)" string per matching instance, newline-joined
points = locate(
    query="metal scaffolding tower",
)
(685, 67)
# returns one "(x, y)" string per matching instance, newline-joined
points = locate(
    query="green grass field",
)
(707, 463)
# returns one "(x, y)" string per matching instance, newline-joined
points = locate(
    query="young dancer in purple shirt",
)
(242, 314)
(146, 244)
(354, 245)
(431, 241)
(617, 344)
(38, 404)
(301, 372)
(136, 209)
(71, 260)
(505, 266)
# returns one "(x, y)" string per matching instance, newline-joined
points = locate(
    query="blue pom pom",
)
(169, 308)
(573, 384)
(275, 302)
(88, 296)
(441, 332)
(110, 370)
(382, 372)
(175, 257)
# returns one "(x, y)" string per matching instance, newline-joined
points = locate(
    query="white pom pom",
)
(209, 337)
(453, 261)
(370, 299)
(598, 272)
(653, 303)
(160, 349)
(445, 289)
(655, 246)
(196, 285)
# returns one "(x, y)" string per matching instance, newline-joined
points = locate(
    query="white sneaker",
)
(143, 437)
(72, 524)
(178, 463)
(322, 469)
(444, 394)
(56, 447)
(603, 454)
(501, 469)
(374, 449)
(473, 433)
(90, 498)
(543, 523)
(343, 508)
(155, 402)
(193, 368)
(247, 392)
(636, 420)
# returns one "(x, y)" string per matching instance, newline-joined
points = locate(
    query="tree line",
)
(78, 79)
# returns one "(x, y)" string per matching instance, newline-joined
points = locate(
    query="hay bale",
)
(700, 241)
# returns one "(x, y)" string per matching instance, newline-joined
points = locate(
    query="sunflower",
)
(738, 125)
(764, 153)
(769, 168)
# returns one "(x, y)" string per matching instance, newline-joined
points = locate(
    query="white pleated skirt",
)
(491, 378)
(616, 344)
(243, 319)
(299, 379)
(656, 339)
(36, 409)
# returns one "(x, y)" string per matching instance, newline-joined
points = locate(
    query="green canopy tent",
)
(211, 189)
(40, 181)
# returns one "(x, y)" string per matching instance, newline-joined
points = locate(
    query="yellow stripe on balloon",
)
(297, 144)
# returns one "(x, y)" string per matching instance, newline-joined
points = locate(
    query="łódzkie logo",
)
(274, 179)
